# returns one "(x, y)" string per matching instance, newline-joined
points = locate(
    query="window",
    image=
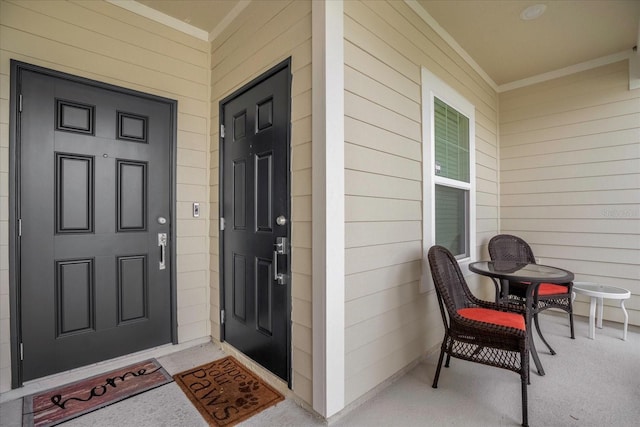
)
(448, 167)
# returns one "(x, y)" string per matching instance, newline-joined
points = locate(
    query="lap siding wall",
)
(389, 323)
(570, 177)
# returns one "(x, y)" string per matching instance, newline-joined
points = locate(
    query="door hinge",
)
(20, 103)
(221, 131)
(21, 351)
(222, 317)
(20, 227)
(221, 224)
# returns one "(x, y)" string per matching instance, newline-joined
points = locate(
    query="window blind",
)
(451, 142)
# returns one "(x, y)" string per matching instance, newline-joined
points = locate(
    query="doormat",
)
(225, 392)
(51, 407)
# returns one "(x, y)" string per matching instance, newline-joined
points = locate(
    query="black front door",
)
(255, 207)
(94, 209)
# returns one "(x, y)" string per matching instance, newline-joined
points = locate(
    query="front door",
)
(255, 210)
(94, 209)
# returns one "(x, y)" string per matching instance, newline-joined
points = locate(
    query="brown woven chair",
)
(505, 247)
(476, 330)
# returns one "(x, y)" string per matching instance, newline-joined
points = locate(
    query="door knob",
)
(162, 220)
(281, 220)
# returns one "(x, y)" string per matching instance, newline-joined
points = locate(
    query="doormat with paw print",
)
(225, 392)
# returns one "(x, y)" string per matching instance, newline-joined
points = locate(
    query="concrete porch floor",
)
(588, 383)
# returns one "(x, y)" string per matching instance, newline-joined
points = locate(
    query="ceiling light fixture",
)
(532, 12)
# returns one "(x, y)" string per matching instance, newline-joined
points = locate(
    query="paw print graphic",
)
(247, 401)
(248, 386)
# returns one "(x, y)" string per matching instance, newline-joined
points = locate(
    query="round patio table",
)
(533, 274)
(598, 292)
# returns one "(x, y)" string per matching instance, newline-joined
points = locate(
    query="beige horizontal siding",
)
(368, 135)
(570, 177)
(389, 323)
(265, 34)
(107, 43)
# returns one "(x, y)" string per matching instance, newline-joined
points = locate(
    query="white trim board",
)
(327, 22)
(237, 9)
(176, 24)
(566, 71)
(426, 17)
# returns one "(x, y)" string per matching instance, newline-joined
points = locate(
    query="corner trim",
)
(227, 20)
(426, 17)
(162, 18)
(328, 235)
(566, 71)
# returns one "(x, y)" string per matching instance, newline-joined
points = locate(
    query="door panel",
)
(75, 303)
(95, 173)
(131, 196)
(255, 190)
(74, 193)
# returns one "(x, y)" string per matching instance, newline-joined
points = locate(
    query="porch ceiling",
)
(510, 49)
(507, 48)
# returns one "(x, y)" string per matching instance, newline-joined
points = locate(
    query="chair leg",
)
(446, 365)
(535, 320)
(524, 380)
(435, 379)
(573, 335)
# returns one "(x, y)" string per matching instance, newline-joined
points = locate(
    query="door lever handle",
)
(276, 276)
(280, 248)
(162, 242)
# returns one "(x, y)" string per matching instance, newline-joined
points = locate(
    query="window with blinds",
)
(449, 173)
(451, 140)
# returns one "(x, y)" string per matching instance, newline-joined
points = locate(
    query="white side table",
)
(598, 292)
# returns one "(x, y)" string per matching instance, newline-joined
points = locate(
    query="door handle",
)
(162, 242)
(276, 275)
(280, 248)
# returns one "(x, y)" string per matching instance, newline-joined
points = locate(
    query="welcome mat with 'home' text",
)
(225, 392)
(54, 406)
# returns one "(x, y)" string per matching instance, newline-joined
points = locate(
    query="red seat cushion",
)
(551, 289)
(486, 315)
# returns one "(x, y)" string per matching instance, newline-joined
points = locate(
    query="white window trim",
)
(434, 87)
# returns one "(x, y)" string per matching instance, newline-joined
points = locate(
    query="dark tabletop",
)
(521, 272)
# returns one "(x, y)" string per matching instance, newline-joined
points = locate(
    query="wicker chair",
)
(476, 330)
(505, 247)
